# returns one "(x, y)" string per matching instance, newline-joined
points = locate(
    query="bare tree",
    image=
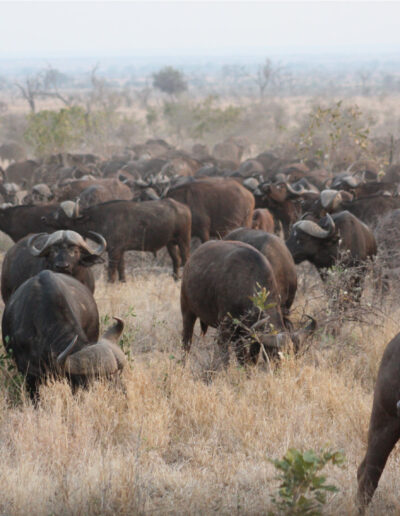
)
(30, 89)
(45, 83)
(365, 77)
(52, 81)
(267, 74)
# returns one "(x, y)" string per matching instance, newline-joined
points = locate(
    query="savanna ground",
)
(198, 439)
(194, 439)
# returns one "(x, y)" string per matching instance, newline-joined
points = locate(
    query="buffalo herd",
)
(255, 219)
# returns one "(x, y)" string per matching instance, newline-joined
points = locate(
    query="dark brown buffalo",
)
(278, 255)
(131, 226)
(104, 190)
(92, 191)
(262, 219)
(12, 151)
(371, 209)
(62, 251)
(228, 152)
(217, 206)
(22, 172)
(51, 326)
(384, 426)
(282, 201)
(218, 284)
(70, 189)
(19, 221)
(341, 236)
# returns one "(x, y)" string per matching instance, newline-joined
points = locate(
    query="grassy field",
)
(194, 439)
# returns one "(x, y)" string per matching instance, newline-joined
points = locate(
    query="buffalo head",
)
(310, 241)
(66, 250)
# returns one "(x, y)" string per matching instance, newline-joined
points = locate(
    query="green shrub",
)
(302, 489)
(51, 132)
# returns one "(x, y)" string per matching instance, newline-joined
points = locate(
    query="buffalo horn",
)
(70, 209)
(151, 193)
(313, 229)
(101, 241)
(75, 238)
(62, 357)
(295, 192)
(35, 251)
(330, 199)
(259, 323)
(277, 341)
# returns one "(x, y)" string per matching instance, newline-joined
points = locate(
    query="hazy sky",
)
(85, 29)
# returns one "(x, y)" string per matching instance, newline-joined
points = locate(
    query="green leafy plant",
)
(10, 378)
(170, 80)
(303, 490)
(329, 130)
(55, 131)
(260, 298)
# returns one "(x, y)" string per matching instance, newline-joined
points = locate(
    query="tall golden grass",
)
(194, 439)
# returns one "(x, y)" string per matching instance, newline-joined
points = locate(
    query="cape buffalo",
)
(19, 221)
(384, 426)
(282, 201)
(62, 251)
(104, 190)
(131, 226)
(218, 284)
(345, 237)
(51, 325)
(278, 255)
(371, 209)
(262, 219)
(217, 206)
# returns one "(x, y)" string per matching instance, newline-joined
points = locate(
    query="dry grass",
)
(175, 444)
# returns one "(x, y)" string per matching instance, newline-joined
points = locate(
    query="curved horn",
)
(259, 323)
(113, 334)
(295, 192)
(100, 240)
(76, 239)
(308, 330)
(330, 199)
(35, 251)
(77, 206)
(312, 326)
(315, 230)
(350, 181)
(151, 193)
(330, 224)
(69, 208)
(62, 357)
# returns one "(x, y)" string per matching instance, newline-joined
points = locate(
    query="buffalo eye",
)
(73, 250)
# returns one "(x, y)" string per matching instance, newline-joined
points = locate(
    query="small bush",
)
(303, 490)
(50, 132)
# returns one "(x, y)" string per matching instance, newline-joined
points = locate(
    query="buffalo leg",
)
(188, 324)
(121, 268)
(32, 384)
(224, 336)
(114, 258)
(184, 250)
(173, 252)
(383, 434)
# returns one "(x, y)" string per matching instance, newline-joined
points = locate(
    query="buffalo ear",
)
(88, 260)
